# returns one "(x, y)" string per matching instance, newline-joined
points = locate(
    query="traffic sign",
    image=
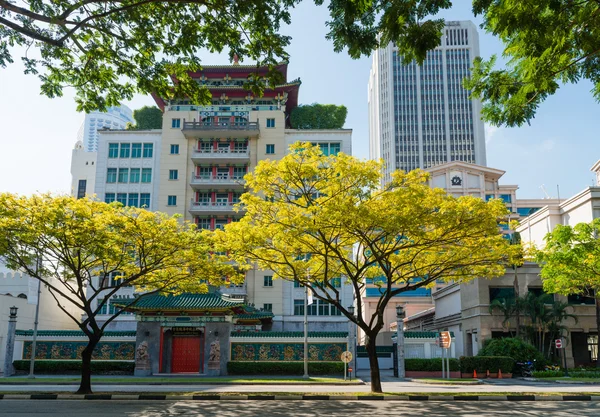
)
(445, 340)
(558, 343)
(346, 357)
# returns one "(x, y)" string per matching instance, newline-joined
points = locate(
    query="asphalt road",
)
(508, 386)
(72, 408)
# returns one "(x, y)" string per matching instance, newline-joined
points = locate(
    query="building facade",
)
(420, 115)
(83, 171)
(114, 118)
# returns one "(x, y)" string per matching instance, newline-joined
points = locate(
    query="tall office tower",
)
(114, 118)
(421, 116)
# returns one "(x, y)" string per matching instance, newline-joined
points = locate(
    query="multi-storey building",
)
(83, 171)
(420, 115)
(195, 166)
(114, 118)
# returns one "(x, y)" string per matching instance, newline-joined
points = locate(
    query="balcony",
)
(215, 208)
(220, 129)
(220, 156)
(205, 182)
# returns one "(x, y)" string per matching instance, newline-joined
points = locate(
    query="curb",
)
(191, 383)
(259, 397)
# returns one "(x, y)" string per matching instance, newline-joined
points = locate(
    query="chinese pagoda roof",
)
(184, 302)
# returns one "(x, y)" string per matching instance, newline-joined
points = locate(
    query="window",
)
(109, 197)
(539, 292)
(176, 123)
(133, 200)
(173, 174)
(592, 342)
(134, 175)
(297, 284)
(111, 175)
(136, 150)
(587, 298)
(270, 122)
(148, 148)
(334, 148)
(268, 281)
(125, 149)
(123, 175)
(498, 293)
(336, 282)
(146, 175)
(298, 307)
(174, 149)
(505, 197)
(268, 307)
(172, 200)
(270, 149)
(145, 200)
(113, 150)
(122, 198)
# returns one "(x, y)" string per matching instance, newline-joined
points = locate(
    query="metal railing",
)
(212, 205)
(220, 126)
(209, 179)
(211, 153)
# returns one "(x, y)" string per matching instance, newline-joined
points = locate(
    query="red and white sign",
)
(558, 343)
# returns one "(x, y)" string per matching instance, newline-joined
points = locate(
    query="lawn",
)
(451, 381)
(178, 380)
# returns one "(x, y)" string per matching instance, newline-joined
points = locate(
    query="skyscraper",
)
(421, 116)
(114, 118)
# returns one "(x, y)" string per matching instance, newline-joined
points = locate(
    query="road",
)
(14, 408)
(508, 386)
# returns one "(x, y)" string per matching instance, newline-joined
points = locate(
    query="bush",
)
(517, 349)
(74, 367)
(486, 363)
(284, 368)
(572, 373)
(429, 365)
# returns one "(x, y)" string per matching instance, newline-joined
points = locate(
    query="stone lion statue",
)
(142, 351)
(215, 352)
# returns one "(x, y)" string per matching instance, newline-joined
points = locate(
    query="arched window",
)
(22, 296)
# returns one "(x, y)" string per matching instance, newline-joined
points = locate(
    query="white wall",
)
(344, 136)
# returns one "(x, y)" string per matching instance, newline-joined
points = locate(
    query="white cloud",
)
(490, 132)
(547, 145)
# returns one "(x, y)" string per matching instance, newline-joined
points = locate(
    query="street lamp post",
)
(352, 340)
(10, 342)
(400, 314)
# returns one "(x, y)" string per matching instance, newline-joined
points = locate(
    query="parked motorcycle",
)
(525, 369)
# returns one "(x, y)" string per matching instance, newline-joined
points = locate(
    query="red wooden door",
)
(186, 354)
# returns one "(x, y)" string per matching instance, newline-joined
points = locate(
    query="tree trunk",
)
(598, 322)
(374, 364)
(517, 306)
(85, 386)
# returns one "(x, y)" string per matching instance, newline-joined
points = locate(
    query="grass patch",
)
(451, 381)
(195, 380)
(597, 380)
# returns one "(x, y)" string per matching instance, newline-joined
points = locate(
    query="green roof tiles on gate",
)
(73, 333)
(423, 335)
(331, 335)
(255, 315)
(186, 301)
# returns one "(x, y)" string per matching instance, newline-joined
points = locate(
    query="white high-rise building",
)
(421, 116)
(114, 118)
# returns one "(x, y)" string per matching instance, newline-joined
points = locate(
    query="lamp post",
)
(10, 342)
(400, 314)
(352, 340)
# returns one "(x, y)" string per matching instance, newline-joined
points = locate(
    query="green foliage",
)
(486, 363)
(572, 373)
(429, 365)
(148, 117)
(284, 368)
(70, 367)
(517, 349)
(108, 51)
(319, 116)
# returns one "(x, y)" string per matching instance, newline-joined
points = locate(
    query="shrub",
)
(74, 366)
(429, 365)
(486, 363)
(517, 349)
(284, 368)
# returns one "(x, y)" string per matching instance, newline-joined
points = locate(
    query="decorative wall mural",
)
(286, 351)
(122, 351)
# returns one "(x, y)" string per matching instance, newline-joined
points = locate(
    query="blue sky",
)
(37, 134)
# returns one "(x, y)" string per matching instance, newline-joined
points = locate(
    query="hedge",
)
(429, 365)
(65, 367)
(517, 349)
(284, 368)
(486, 363)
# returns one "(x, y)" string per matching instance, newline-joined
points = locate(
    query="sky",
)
(37, 134)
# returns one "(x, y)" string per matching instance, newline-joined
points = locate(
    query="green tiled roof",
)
(255, 315)
(291, 334)
(422, 335)
(72, 333)
(185, 301)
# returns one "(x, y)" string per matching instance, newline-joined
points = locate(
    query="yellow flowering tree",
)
(332, 208)
(71, 246)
